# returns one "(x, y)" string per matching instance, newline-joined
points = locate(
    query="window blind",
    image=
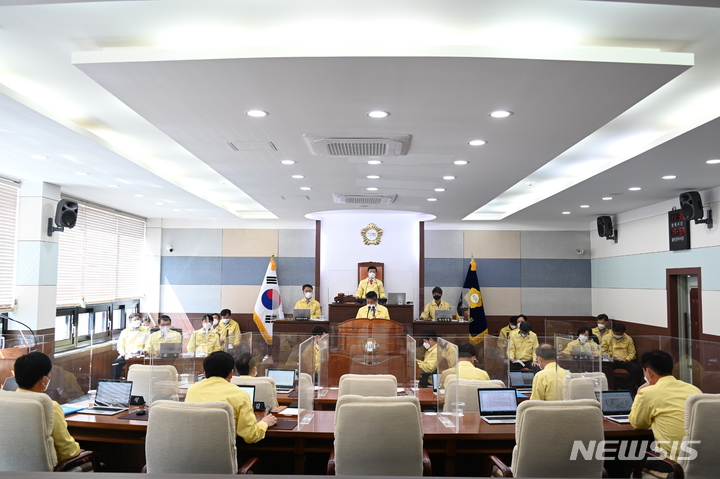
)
(8, 240)
(99, 258)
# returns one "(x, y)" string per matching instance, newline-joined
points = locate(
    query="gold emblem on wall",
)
(371, 234)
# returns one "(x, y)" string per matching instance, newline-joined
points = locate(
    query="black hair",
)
(135, 315)
(522, 316)
(318, 331)
(218, 364)
(31, 368)
(525, 327)
(546, 351)
(215, 314)
(372, 267)
(207, 317)
(513, 319)
(602, 316)
(660, 362)
(618, 328)
(371, 295)
(429, 334)
(307, 286)
(164, 317)
(225, 312)
(437, 289)
(466, 350)
(244, 364)
(583, 329)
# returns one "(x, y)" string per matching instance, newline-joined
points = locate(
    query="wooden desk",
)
(327, 401)
(401, 313)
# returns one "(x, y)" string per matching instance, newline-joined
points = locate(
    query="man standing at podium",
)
(372, 310)
(370, 284)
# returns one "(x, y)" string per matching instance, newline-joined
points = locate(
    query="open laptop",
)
(522, 381)
(112, 397)
(250, 389)
(301, 314)
(284, 379)
(444, 315)
(170, 350)
(498, 406)
(616, 405)
(396, 298)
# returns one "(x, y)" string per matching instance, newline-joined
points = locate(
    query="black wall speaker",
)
(66, 213)
(691, 205)
(605, 226)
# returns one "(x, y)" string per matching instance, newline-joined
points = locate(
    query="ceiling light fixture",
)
(374, 162)
(669, 177)
(373, 177)
(81, 173)
(177, 209)
(113, 186)
(371, 188)
(477, 142)
(378, 114)
(160, 204)
(439, 190)
(298, 177)
(256, 113)
(432, 199)
(712, 162)
(584, 206)
(566, 212)
(305, 188)
(500, 114)
(607, 198)
(448, 177)
(40, 157)
(139, 195)
(288, 162)
(460, 162)
(634, 188)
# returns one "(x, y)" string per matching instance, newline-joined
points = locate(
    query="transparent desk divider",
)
(492, 358)
(159, 377)
(308, 353)
(450, 402)
(579, 369)
(322, 374)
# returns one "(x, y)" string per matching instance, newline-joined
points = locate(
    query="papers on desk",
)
(290, 411)
(72, 408)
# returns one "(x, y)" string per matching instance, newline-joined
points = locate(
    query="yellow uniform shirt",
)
(662, 406)
(152, 346)
(522, 347)
(601, 335)
(548, 383)
(432, 306)
(623, 348)
(65, 446)
(381, 312)
(505, 332)
(231, 330)
(131, 341)
(204, 341)
(365, 286)
(429, 363)
(588, 347)
(311, 304)
(467, 371)
(218, 389)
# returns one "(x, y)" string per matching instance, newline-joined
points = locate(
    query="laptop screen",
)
(113, 393)
(301, 313)
(444, 314)
(170, 348)
(495, 402)
(248, 389)
(615, 402)
(521, 379)
(284, 378)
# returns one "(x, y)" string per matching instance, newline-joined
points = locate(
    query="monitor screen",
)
(113, 393)
(250, 390)
(283, 377)
(497, 401)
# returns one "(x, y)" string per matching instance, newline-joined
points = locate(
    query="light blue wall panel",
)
(191, 270)
(37, 263)
(444, 271)
(538, 302)
(496, 273)
(555, 273)
(443, 244)
(295, 271)
(192, 242)
(251, 271)
(554, 244)
(190, 298)
(296, 243)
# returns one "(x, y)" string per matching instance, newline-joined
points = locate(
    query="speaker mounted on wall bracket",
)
(605, 228)
(66, 215)
(692, 208)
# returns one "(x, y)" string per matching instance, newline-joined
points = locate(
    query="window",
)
(79, 326)
(8, 212)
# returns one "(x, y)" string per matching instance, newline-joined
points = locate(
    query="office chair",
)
(265, 388)
(596, 377)
(368, 385)
(581, 387)
(535, 456)
(192, 438)
(26, 443)
(466, 391)
(153, 382)
(10, 384)
(378, 436)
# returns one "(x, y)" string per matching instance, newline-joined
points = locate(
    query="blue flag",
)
(472, 297)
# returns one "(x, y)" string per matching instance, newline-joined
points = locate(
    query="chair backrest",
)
(598, 376)
(191, 438)
(578, 388)
(702, 421)
(153, 382)
(26, 422)
(535, 456)
(265, 389)
(465, 391)
(378, 436)
(368, 385)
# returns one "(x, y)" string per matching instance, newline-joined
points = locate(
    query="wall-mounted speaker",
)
(691, 205)
(605, 226)
(66, 213)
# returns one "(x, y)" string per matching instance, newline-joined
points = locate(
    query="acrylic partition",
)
(308, 361)
(173, 363)
(452, 400)
(579, 369)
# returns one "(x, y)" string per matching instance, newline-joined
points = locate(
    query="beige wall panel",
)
(502, 301)
(250, 243)
(491, 244)
(239, 299)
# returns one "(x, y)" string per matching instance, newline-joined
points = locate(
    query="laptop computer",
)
(170, 350)
(284, 379)
(522, 381)
(112, 397)
(444, 315)
(301, 314)
(616, 405)
(498, 406)
(250, 389)
(396, 298)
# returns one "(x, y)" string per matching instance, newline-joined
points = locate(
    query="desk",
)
(401, 313)
(327, 402)
(121, 442)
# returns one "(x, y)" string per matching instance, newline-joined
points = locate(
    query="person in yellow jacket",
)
(370, 284)
(373, 310)
(228, 329)
(130, 343)
(437, 303)
(429, 363)
(465, 368)
(603, 329)
(548, 383)
(165, 335)
(511, 326)
(582, 344)
(522, 345)
(621, 348)
(204, 340)
(32, 373)
(308, 302)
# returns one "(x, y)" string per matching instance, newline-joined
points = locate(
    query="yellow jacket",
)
(623, 348)
(152, 346)
(312, 304)
(548, 383)
(364, 287)
(522, 347)
(381, 312)
(432, 306)
(505, 332)
(588, 347)
(467, 371)
(231, 330)
(429, 363)
(131, 341)
(204, 342)
(65, 446)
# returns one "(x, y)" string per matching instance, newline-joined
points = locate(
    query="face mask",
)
(371, 275)
(601, 326)
(308, 294)
(437, 297)
(47, 384)
(226, 320)
(135, 324)
(513, 326)
(583, 338)
(617, 336)
(646, 379)
(523, 334)
(426, 345)
(206, 325)
(165, 329)
(215, 321)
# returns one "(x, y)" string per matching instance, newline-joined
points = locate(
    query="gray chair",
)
(465, 391)
(153, 382)
(368, 385)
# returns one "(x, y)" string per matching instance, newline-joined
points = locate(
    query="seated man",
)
(604, 328)
(228, 329)
(32, 373)
(204, 340)
(582, 344)
(130, 343)
(429, 362)
(373, 310)
(370, 284)
(547, 384)
(216, 386)
(660, 404)
(465, 368)
(309, 303)
(437, 303)
(522, 345)
(512, 326)
(621, 348)
(165, 335)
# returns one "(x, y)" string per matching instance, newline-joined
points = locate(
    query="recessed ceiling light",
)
(81, 173)
(298, 177)
(584, 206)
(305, 188)
(448, 177)
(566, 212)
(477, 142)
(139, 195)
(113, 186)
(669, 177)
(460, 162)
(712, 162)
(500, 114)
(439, 190)
(432, 199)
(256, 113)
(177, 209)
(607, 198)
(634, 188)
(372, 177)
(288, 162)
(40, 157)
(371, 188)
(374, 162)
(160, 203)
(378, 114)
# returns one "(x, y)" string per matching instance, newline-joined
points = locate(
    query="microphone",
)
(373, 310)
(22, 324)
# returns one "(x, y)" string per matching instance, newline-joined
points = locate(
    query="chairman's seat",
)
(368, 385)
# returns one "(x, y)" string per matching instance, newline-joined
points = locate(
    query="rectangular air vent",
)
(364, 147)
(364, 199)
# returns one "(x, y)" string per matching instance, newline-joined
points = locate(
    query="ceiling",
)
(149, 100)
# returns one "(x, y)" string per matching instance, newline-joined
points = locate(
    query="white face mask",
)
(513, 326)
(135, 324)
(47, 384)
(308, 294)
(206, 325)
(226, 320)
(583, 338)
(426, 345)
(617, 336)
(601, 326)
(215, 321)
(165, 329)
(371, 275)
